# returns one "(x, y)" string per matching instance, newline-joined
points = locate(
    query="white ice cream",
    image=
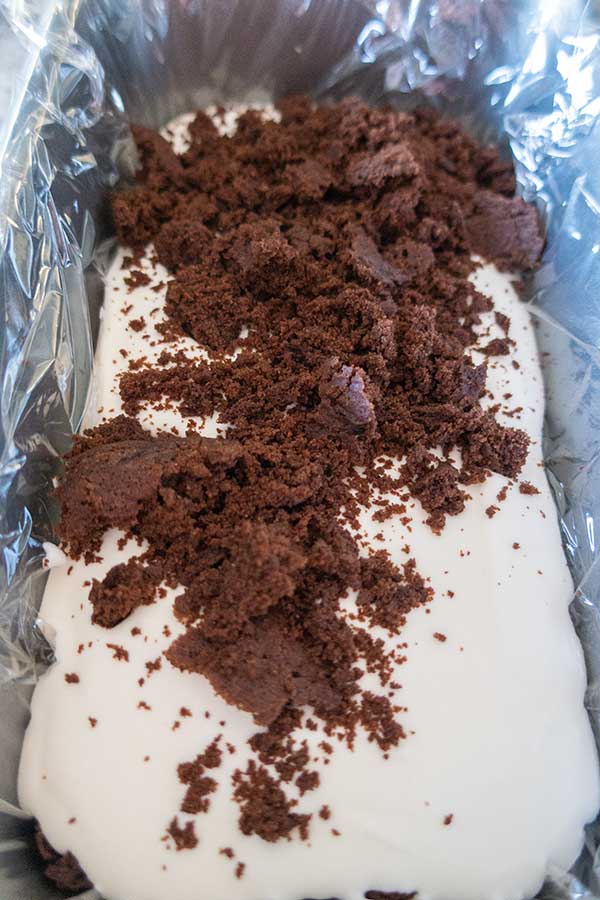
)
(498, 735)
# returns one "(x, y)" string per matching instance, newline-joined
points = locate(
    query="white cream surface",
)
(498, 737)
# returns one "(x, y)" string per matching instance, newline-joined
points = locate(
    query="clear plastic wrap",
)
(524, 74)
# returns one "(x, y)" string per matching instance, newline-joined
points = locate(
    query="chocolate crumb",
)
(119, 652)
(184, 838)
(307, 781)
(153, 665)
(265, 810)
(125, 587)
(71, 678)
(200, 785)
(497, 347)
(503, 321)
(525, 487)
(136, 279)
(62, 869)
(394, 895)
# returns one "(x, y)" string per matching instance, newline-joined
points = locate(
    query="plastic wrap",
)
(524, 74)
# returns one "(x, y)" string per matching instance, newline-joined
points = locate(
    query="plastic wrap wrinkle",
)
(526, 74)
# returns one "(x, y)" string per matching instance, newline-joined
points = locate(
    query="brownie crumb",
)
(72, 678)
(439, 636)
(448, 819)
(307, 781)
(388, 593)
(62, 869)
(119, 652)
(525, 487)
(503, 321)
(184, 838)
(136, 278)
(125, 587)
(153, 665)
(497, 347)
(265, 810)
(394, 895)
(200, 785)
(506, 230)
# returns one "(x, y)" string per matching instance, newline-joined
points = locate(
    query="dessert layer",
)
(495, 773)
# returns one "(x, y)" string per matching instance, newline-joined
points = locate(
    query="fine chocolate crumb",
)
(497, 347)
(71, 678)
(307, 781)
(199, 785)
(394, 895)
(153, 665)
(503, 321)
(119, 652)
(265, 810)
(525, 487)
(136, 279)
(184, 838)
